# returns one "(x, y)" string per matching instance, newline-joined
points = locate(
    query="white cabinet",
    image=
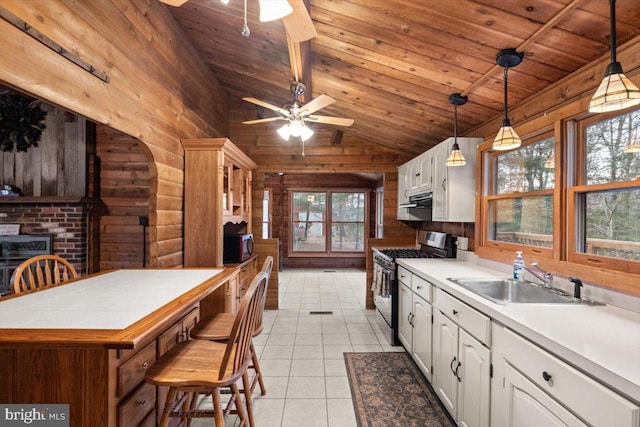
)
(533, 387)
(461, 363)
(414, 324)
(421, 172)
(406, 181)
(454, 188)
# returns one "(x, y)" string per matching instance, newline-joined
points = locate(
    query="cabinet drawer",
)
(190, 320)
(131, 372)
(404, 276)
(169, 338)
(421, 287)
(471, 320)
(133, 410)
(592, 401)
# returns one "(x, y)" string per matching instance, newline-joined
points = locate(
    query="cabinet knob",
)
(455, 312)
(419, 287)
(145, 365)
(142, 403)
(546, 376)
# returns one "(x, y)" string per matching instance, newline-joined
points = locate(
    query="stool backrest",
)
(42, 271)
(237, 353)
(266, 268)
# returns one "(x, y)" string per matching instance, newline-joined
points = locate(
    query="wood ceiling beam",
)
(528, 42)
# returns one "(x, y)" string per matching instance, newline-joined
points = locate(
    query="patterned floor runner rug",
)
(389, 391)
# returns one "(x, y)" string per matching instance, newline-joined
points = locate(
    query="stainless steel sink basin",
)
(505, 291)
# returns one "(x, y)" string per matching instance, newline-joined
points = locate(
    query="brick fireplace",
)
(67, 219)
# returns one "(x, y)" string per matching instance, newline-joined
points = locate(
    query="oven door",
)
(383, 281)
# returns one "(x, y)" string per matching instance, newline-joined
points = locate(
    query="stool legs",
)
(246, 385)
(256, 367)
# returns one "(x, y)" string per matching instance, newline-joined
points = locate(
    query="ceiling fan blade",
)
(316, 104)
(269, 119)
(174, 3)
(339, 121)
(298, 24)
(264, 104)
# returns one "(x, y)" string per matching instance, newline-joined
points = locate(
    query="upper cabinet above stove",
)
(453, 188)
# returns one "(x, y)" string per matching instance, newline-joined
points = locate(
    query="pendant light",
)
(455, 157)
(616, 92)
(270, 10)
(507, 138)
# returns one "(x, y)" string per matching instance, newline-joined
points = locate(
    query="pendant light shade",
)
(616, 92)
(456, 158)
(270, 10)
(507, 138)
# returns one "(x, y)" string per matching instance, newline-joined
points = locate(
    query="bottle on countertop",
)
(518, 267)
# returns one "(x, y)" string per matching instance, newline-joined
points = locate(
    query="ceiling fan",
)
(297, 20)
(298, 114)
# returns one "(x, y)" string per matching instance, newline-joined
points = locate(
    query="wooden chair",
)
(201, 367)
(42, 271)
(218, 328)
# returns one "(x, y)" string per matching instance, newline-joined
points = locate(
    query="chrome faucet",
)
(544, 276)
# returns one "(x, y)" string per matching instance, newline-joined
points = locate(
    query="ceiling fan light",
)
(616, 92)
(507, 138)
(456, 158)
(270, 10)
(224, 1)
(285, 132)
(305, 133)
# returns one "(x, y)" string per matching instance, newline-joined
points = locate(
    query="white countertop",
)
(602, 341)
(113, 300)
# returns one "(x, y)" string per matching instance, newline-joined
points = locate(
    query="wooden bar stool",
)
(42, 271)
(201, 367)
(218, 328)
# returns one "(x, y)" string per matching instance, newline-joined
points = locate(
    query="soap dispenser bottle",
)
(518, 267)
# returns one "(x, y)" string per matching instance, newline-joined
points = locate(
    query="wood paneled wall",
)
(57, 166)
(159, 90)
(124, 198)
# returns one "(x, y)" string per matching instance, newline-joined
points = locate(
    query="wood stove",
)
(16, 249)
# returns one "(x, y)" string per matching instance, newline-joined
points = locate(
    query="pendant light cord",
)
(612, 11)
(506, 105)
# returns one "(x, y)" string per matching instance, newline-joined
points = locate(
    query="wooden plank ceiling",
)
(391, 64)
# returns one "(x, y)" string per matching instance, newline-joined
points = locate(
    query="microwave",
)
(237, 248)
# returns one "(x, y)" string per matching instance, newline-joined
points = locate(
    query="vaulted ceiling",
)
(391, 64)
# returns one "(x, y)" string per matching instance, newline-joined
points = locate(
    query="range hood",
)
(419, 201)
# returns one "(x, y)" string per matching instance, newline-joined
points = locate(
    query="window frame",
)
(328, 224)
(577, 187)
(611, 273)
(488, 195)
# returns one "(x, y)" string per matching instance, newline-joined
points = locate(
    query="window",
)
(314, 214)
(266, 214)
(606, 198)
(520, 200)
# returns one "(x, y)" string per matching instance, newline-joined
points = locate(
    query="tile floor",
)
(301, 353)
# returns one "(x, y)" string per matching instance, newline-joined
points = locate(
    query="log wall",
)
(124, 199)
(159, 90)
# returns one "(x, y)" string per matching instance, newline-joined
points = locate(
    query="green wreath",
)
(21, 122)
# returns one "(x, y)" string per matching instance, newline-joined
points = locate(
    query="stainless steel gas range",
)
(385, 279)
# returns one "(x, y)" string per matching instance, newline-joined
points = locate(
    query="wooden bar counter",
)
(88, 343)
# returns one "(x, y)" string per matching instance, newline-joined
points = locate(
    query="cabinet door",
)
(440, 184)
(445, 361)
(404, 314)
(474, 385)
(421, 350)
(403, 184)
(524, 404)
(424, 172)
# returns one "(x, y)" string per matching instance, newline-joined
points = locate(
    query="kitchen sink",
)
(509, 291)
